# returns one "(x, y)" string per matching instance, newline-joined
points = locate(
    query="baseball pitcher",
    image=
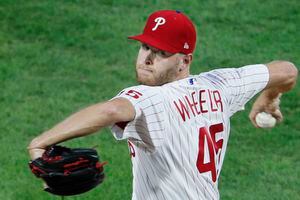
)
(177, 125)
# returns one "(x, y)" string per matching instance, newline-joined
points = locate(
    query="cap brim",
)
(153, 42)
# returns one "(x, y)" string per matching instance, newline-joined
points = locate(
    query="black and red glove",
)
(68, 171)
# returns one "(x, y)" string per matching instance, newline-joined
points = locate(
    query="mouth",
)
(145, 69)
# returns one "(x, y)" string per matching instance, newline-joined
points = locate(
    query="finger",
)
(252, 117)
(277, 115)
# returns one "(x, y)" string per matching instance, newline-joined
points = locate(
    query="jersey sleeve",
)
(239, 84)
(147, 127)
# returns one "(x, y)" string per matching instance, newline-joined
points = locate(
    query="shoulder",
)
(139, 92)
(143, 89)
(228, 74)
(219, 74)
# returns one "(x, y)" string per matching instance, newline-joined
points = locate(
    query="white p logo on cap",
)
(159, 21)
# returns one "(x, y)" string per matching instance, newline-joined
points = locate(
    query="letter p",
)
(159, 21)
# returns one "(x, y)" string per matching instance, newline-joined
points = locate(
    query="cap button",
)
(178, 11)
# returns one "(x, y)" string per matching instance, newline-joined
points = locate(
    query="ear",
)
(188, 59)
(185, 62)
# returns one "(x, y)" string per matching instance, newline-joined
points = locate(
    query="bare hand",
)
(265, 104)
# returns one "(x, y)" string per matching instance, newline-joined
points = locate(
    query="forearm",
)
(84, 122)
(283, 77)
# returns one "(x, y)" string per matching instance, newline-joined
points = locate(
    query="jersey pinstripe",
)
(179, 136)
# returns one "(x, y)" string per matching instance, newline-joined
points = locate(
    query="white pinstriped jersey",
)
(179, 135)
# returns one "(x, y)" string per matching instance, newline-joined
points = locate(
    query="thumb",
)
(252, 117)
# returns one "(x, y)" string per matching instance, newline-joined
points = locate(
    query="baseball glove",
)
(68, 171)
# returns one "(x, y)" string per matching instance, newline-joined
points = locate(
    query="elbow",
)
(283, 75)
(112, 112)
(119, 110)
(291, 73)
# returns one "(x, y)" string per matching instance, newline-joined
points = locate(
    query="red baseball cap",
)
(170, 31)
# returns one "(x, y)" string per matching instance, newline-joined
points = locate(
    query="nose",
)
(149, 58)
(148, 62)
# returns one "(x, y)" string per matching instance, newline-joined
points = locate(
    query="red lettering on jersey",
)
(131, 149)
(208, 101)
(195, 103)
(134, 94)
(182, 110)
(202, 101)
(218, 99)
(211, 103)
(191, 105)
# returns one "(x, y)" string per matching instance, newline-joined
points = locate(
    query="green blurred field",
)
(59, 56)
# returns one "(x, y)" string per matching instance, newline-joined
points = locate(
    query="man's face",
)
(155, 67)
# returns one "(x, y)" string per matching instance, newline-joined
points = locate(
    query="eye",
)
(145, 47)
(164, 54)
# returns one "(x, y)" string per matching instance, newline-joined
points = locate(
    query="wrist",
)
(270, 95)
(36, 143)
(36, 153)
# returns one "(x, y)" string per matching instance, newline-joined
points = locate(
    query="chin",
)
(142, 82)
(145, 82)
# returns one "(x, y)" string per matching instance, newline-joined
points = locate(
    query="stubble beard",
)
(168, 76)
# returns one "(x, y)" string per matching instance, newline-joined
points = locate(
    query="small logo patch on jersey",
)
(192, 81)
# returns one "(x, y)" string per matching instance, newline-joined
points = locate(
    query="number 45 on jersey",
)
(214, 150)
